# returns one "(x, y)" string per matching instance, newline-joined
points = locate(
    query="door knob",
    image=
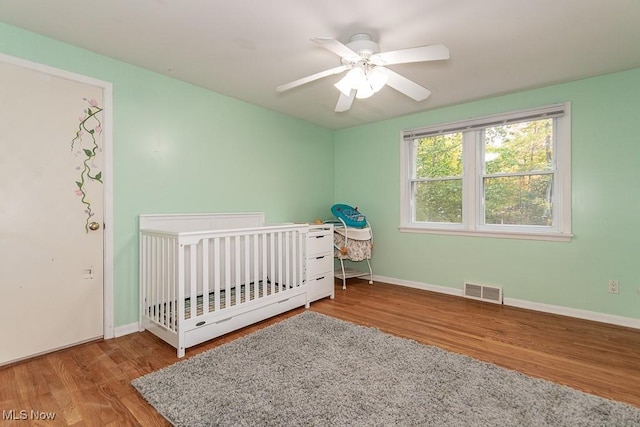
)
(93, 226)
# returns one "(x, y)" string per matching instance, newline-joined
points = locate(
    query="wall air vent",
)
(483, 292)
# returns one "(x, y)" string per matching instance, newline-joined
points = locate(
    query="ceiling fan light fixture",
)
(364, 91)
(377, 78)
(343, 86)
(354, 79)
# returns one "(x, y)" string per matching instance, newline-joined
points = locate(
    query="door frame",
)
(107, 150)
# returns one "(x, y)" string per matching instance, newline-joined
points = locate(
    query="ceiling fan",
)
(367, 71)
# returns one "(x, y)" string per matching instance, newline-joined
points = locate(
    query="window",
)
(502, 176)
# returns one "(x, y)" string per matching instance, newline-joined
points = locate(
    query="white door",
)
(51, 212)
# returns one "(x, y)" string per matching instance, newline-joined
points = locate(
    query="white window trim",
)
(471, 224)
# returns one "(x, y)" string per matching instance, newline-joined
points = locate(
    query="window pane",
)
(438, 201)
(439, 156)
(519, 200)
(519, 147)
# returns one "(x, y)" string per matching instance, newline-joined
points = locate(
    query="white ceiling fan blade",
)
(406, 86)
(433, 52)
(344, 102)
(338, 48)
(311, 78)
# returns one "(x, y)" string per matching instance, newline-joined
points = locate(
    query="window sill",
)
(553, 237)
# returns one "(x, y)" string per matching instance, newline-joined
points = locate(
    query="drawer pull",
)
(224, 320)
(320, 257)
(320, 278)
(321, 237)
(284, 300)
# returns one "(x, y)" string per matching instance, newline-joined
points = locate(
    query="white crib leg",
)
(370, 273)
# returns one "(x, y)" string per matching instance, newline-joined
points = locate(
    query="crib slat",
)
(227, 271)
(152, 261)
(154, 286)
(293, 259)
(247, 268)
(144, 265)
(144, 253)
(237, 282)
(256, 264)
(162, 281)
(280, 263)
(170, 285)
(193, 275)
(205, 276)
(216, 273)
(301, 242)
(287, 259)
(272, 256)
(265, 270)
(154, 278)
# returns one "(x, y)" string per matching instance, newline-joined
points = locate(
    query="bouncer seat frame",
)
(353, 241)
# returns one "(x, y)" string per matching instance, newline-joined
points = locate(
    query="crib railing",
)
(191, 274)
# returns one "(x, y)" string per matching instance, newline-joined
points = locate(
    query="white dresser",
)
(319, 254)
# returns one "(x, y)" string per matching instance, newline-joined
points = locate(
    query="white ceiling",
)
(245, 48)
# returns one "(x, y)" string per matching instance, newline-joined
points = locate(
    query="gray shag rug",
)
(315, 370)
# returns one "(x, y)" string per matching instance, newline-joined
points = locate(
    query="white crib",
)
(204, 275)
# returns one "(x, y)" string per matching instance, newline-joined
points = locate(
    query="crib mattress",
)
(235, 298)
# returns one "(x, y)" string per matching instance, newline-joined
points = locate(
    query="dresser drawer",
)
(319, 264)
(318, 243)
(320, 286)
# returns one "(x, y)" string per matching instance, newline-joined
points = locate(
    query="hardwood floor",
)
(89, 384)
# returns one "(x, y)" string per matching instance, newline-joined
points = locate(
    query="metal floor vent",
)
(483, 293)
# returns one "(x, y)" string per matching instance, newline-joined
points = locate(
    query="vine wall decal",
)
(86, 147)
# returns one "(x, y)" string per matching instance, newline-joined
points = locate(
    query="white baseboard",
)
(575, 312)
(126, 329)
(418, 285)
(513, 302)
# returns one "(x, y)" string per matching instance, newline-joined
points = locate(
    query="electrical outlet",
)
(612, 286)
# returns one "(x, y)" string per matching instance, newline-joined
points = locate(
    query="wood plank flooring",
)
(89, 384)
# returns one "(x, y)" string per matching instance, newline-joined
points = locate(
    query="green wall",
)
(605, 198)
(180, 148)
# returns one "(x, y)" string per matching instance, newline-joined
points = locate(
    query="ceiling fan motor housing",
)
(363, 45)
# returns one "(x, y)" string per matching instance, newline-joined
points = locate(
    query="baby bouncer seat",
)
(352, 241)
